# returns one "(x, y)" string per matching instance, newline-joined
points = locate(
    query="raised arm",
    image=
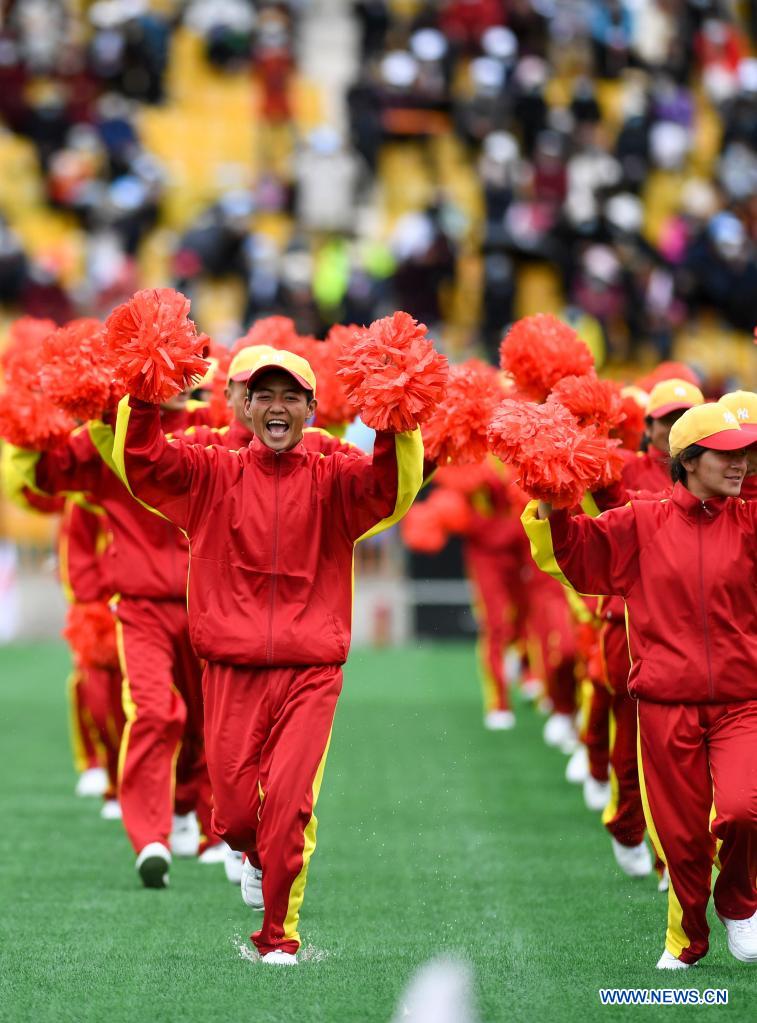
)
(73, 468)
(377, 491)
(596, 556)
(180, 481)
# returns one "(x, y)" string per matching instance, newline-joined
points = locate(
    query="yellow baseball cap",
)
(290, 363)
(245, 361)
(639, 395)
(712, 426)
(743, 404)
(671, 396)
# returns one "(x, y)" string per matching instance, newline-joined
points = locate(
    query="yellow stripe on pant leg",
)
(611, 810)
(718, 841)
(77, 742)
(130, 707)
(297, 891)
(675, 939)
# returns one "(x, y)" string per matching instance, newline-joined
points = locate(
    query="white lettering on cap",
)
(742, 413)
(729, 417)
(680, 392)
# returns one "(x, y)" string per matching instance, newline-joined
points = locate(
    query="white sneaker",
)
(633, 860)
(185, 834)
(577, 770)
(532, 689)
(596, 794)
(92, 782)
(560, 732)
(499, 720)
(152, 865)
(742, 938)
(251, 886)
(668, 961)
(111, 810)
(664, 883)
(279, 958)
(215, 853)
(232, 864)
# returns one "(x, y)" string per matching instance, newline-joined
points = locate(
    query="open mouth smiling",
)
(277, 428)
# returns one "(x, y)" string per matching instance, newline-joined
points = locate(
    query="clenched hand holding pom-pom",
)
(456, 432)
(393, 373)
(556, 460)
(539, 350)
(155, 347)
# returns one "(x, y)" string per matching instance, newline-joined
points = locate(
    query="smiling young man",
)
(272, 529)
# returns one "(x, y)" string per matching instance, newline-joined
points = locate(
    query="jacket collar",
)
(693, 507)
(269, 461)
(655, 455)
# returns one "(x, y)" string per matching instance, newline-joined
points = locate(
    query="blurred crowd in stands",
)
(614, 142)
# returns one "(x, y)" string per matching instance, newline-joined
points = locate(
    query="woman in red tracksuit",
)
(272, 529)
(687, 569)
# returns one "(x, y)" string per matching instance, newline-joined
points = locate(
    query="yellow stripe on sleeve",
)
(409, 451)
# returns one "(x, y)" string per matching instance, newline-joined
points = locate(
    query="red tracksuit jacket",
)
(271, 534)
(687, 570)
(82, 544)
(148, 557)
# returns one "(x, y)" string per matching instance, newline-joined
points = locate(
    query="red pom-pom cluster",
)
(539, 350)
(91, 632)
(592, 401)
(21, 358)
(334, 405)
(155, 347)
(631, 430)
(457, 429)
(28, 420)
(393, 373)
(429, 524)
(555, 459)
(77, 375)
(274, 331)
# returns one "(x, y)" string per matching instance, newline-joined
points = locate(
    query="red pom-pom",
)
(456, 431)
(28, 420)
(91, 632)
(21, 357)
(555, 459)
(451, 509)
(466, 479)
(592, 401)
(155, 346)
(334, 405)
(668, 371)
(274, 331)
(422, 531)
(393, 373)
(540, 350)
(77, 375)
(631, 430)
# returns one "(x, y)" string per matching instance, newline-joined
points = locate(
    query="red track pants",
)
(624, 815)
(691, 756)
(85, 744)
(551, 627)
(102, 698)
(596, 733)
(267, 734)
(499, 594)
(162, 759)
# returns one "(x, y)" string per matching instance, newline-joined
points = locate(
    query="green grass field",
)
(435, 838)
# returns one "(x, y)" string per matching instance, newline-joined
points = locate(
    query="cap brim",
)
(750, 429)
(725, 440)
(665, 410)
(241, 377)
(260, 370)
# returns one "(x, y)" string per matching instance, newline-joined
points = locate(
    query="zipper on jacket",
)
(710, 685)
(274, 557)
